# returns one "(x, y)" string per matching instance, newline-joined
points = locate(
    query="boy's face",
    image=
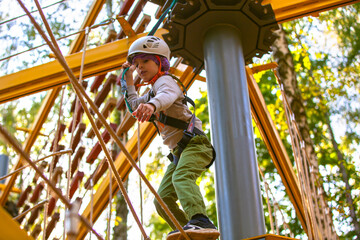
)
(146, 68)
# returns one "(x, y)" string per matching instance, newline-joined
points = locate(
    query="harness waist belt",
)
(177, 123)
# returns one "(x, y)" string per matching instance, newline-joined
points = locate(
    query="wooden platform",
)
(270, 237)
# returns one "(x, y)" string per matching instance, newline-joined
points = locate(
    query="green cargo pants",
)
(179, 182)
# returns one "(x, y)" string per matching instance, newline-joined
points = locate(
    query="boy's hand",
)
(144, 112)
(129, 73)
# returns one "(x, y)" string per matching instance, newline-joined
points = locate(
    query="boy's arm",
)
(132, 97)
(166, 93)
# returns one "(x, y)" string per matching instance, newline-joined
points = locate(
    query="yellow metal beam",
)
(15, 190)
(10, 229)
(147, 134)
(289, 10)
(90, 18)
(98, 60)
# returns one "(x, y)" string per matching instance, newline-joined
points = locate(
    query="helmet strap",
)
(156, 77)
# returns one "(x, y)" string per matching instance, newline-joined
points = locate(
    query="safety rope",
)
(309, 223)
(269, 196)
(34, 11)
(140, 185)
(56, 140)
(110, 201)
(74, 121)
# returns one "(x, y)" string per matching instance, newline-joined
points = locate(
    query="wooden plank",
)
(270, 237)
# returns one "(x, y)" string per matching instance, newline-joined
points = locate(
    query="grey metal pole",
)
(4, 166)
(240, 208)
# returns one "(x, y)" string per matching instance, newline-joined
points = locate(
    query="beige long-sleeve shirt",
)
(168, 99)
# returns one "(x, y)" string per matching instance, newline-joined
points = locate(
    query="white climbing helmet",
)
(150, 45)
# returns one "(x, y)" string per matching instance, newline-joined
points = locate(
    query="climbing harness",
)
(189, 129)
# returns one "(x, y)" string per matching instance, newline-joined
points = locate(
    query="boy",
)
(149, 56)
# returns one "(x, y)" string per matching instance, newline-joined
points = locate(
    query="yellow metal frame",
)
(90, 18)
(289, 10)
(14, 190)
(10, 229)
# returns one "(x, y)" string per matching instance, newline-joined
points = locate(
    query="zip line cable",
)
(103, 23)
(34, 11)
